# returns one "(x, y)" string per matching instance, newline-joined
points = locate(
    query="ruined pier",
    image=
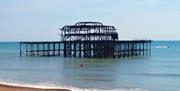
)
(88, 40)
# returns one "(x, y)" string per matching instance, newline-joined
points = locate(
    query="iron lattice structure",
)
(88, 31)
(87, 39)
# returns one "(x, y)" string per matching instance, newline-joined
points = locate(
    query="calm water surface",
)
(158, 72)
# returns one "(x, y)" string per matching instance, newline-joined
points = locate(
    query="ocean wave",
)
(50, 85)
(154, 74)
(161, 47)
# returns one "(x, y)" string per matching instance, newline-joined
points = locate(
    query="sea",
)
(159, 71)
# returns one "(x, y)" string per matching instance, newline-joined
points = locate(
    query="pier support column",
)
(59, 49)
(31, 49)
(20, 49)
(128, 49)
(43, 50)
(37, 51)
(143, 48)
(49, 49)
(54, 46)
(74, 50)
(79, 49)
(136, 48)
(150, 48)
(65, 49)
(139, 49)
(26, 50)
(132, 49)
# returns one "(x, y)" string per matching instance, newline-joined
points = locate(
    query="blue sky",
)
(37, 20)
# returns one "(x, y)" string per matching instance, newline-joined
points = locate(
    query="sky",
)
(40, 20)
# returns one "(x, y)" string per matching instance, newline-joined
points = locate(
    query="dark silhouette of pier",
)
(89, 40)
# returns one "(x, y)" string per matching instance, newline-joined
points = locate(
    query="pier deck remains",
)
(89, 40)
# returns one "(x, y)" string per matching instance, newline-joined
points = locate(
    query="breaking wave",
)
(50, 85)
(161, 47)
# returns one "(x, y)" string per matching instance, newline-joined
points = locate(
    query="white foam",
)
(161, 47)
(49, 85)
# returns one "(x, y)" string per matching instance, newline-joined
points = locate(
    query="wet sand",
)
(18, 88)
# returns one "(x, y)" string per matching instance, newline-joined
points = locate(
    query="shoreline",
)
(4, 87)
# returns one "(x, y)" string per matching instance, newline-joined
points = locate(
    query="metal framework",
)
(88, 31)
(87, 39)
